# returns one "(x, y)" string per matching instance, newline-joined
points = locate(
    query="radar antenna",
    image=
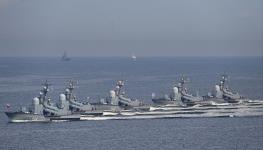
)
(45, 90)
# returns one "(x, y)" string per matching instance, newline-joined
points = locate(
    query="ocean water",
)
(21, 79)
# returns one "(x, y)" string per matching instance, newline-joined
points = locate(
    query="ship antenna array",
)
(45, 90)
(71, 85)
(46, 86)
(224, 79)
(71, 88)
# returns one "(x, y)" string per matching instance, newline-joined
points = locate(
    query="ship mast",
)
(44, 91)
(69, 90)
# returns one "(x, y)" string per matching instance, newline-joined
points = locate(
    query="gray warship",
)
(180, 103)
(180, 96)
(222, 93)
(117, 101)
(43, 110)
(74, 104)
(34, 113)
(69, 108)
(65, 57)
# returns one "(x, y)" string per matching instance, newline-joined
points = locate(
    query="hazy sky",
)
(122, 27)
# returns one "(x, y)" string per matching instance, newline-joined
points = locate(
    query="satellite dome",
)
(217, 88)
(35, 101)
(175, 90)
(62, 97)
(112, 94)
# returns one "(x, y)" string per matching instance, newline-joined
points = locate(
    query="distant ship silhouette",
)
(65, 57)
(134, 58)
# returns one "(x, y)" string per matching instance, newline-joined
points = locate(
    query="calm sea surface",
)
(21, 78)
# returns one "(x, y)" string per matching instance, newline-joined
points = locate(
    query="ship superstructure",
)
(179, 96)
(223, 91)
(118, 101)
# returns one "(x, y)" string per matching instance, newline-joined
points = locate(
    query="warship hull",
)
(92, 113)
(75, 117)
(25, 117)
(103, 107)
(163, 102)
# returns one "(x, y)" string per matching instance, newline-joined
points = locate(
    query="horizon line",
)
(138, 56)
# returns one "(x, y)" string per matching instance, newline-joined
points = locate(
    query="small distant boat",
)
(134, 58)
(65, 57)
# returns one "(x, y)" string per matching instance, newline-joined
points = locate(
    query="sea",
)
(21, 80)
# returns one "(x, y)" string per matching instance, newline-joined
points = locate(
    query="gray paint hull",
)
(163, 101)
(25, 117)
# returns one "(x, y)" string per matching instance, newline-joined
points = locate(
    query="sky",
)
(147, 28)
